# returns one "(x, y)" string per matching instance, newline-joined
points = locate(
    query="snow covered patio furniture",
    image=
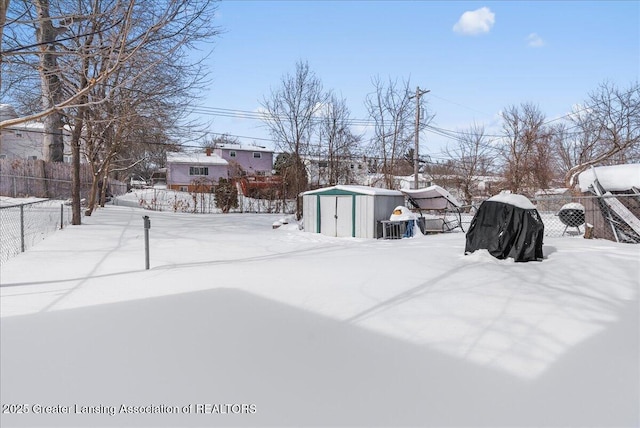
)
(439, 210)
(507, 225)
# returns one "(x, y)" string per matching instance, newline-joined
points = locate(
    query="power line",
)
(461, 105)
(455, 135)
(64, 39)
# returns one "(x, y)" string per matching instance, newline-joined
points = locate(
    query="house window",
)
(232, 153)
(257, 155)
(198, 170)
(184, 189)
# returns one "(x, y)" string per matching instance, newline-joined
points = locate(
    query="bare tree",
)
(174, 24)
(525, 140)
(51, 81)
(223, 139)
(471, 158)
(606, 131)
(4, 7)
(338, 145)
(49, 49)
(146, 155)
(290, 115)
(393, 112)
(120, 67)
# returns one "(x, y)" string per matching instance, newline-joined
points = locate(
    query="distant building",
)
(342, 170)
(408, 181)
(195, 172)
(399, 181)
(25, 141)
(22, 141)
(552, 199)
(250, 159)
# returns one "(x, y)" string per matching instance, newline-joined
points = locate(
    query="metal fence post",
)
(147, 226)
(61, 216)
(22, 228)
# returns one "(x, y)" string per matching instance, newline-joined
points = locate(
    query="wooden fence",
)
(37, 178)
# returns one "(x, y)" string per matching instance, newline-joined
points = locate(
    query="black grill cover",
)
(506, 231)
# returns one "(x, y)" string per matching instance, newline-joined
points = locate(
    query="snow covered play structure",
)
(508, 226)
(617, 191)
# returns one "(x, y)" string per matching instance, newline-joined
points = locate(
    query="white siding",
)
(365, 223)
(369, 210)
(310, 210)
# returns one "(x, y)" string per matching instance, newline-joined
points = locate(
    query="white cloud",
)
(534, 40)
(475, 22)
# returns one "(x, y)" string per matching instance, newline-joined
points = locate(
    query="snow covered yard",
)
(277, 327)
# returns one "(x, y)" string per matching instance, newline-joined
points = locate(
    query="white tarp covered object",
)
(432, 198)
(401, 213)
(614, 178)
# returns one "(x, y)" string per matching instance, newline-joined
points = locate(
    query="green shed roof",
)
(354, 190)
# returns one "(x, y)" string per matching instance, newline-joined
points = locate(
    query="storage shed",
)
(349, 211)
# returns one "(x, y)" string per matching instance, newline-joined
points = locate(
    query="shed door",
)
(336, 218)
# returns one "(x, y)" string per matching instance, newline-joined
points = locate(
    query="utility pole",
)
(417, 96)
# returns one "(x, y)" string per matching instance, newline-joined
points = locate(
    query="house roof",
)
(351, 189)
(242, 147)
(196, 158)
(7, 112)
(27, 127)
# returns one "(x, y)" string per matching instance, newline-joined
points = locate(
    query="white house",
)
(22, 141)
(25, 141)
(350, 170)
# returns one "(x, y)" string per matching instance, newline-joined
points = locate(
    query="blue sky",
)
(476, 58)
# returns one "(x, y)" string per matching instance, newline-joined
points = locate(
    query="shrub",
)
(226, 195)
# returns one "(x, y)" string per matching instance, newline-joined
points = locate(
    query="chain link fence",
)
(561, 218)
(198, 203)
(23, 225)
(168, 200)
